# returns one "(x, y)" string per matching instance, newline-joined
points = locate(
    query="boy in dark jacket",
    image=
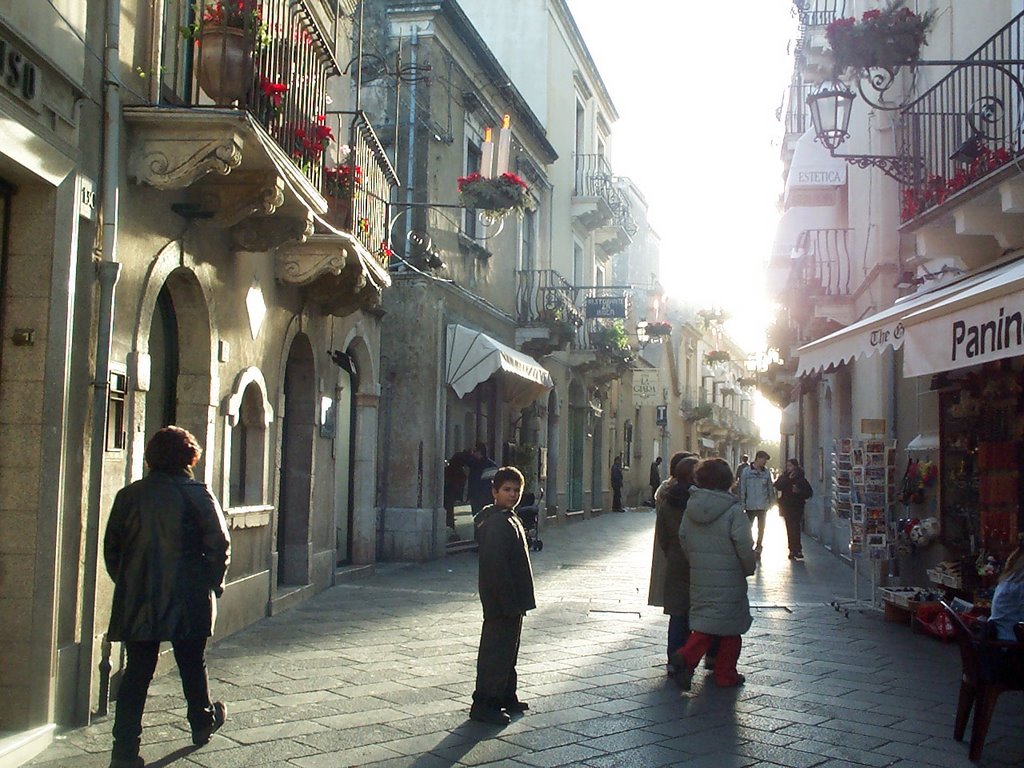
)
(795, 492)
(506, 593)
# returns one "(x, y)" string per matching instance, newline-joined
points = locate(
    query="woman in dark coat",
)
(795, 492)
(670, 503)
(167, 550)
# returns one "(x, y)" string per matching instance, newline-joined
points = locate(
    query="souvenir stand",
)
(864, 492)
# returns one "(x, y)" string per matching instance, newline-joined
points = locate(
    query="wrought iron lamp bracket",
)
(874, 82)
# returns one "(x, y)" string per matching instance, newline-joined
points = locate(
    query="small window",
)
(117, 414)
(248, 448)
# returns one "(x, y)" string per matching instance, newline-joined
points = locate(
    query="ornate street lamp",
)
(830, 107)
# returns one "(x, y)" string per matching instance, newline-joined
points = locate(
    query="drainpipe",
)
(410, 160)
(108, 270)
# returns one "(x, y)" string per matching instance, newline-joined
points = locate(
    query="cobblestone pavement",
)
(379, 671)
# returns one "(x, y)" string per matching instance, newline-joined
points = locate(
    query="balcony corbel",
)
(334, 271)
(232, 169)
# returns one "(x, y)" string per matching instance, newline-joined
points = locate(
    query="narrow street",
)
(379, 671)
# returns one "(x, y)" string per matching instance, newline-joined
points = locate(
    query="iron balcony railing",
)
(967, 126)
(605, 312)
(594, 178)
(359, 188)
(794, 113)
(819, 13)
(822, 262)
(543, 296)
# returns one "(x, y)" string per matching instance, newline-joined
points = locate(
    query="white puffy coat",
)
(715, 535)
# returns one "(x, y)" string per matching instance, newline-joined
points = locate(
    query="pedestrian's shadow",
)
(173, 757)
(458, 743)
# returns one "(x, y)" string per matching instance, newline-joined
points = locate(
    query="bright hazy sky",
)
(697, 86)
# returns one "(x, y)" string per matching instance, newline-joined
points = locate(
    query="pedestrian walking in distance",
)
(506, 594)
(795, 492)
(740, 468)
(167, 550)
(756, 494)
(616, 475)
(655, 480)
(715, 536)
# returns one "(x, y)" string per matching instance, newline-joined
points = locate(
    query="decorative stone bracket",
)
(235, 174)
(335, 271)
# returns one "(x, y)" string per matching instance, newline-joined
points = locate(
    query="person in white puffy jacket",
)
(715, 536)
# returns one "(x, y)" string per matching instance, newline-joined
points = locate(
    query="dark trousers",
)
(759, 516)
(678, 629)
(725, 662)
(138, 673)
(616, 498)
(496, 660)
(794, 520)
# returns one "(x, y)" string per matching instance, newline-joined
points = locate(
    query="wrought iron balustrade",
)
(360, 188)
(544, 296)
(968, 125)
(281, 77)
(823, 263)
(796, 116)
(819, 13)
(602, 307)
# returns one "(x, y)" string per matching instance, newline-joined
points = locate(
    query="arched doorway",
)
(179, 348)
(344, 453)
(296, 481)
(597, 466)
(577, 435)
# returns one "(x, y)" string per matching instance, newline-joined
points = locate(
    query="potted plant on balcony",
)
(341, 185)
(610, 338)
(497, 196)
(227, 34)
(886, 37)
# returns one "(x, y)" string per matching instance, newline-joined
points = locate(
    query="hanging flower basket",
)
(886, 38)
(496, 196)
(659, 328)
(717, 356)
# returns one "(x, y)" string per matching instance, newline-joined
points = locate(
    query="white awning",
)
(979, 323)
(473, 357)
(877, 332)
(813, 166)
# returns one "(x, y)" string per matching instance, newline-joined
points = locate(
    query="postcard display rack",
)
(864, 492)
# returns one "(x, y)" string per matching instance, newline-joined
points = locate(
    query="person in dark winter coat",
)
(795, 492)
(716, 538)
(479, 484)
(167, 550)
(506, 594)
(655, 479)
(670, 506)
(616, 476)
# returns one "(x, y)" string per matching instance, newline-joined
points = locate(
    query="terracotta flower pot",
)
(225, 59)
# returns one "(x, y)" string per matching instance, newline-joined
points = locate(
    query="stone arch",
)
(245, 442)
(251, 375)
(553, 464)
(195, 382)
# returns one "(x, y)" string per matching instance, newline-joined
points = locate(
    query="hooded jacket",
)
(715, 535)
(167, 550)
(505, 578)
(795, 492)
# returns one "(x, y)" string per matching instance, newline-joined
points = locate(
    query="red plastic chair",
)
(981, 683)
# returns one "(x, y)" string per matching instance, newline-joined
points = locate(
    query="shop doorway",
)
(344, 452)
(597, 466)
(551, 479)
(577, 437)
(296, 480)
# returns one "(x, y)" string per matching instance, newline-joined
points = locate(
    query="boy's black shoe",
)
(483, 713)
(202, 735)
(514, 706)
(127, 762)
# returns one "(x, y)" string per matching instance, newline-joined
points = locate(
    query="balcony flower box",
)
(497, 196)
(717, 356)
(885, 38)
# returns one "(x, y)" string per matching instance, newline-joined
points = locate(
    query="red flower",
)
(274, 91)
(511, 178)
(871, 15)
